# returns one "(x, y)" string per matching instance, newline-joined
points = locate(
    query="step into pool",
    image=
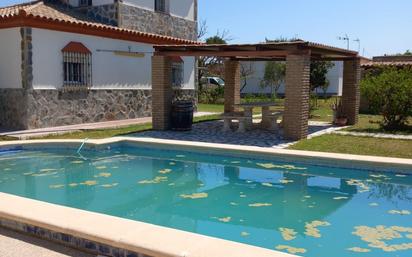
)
(312, 210)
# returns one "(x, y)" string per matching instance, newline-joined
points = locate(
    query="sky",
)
(383, 26)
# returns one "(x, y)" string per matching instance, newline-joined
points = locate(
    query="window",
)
(177, 73)
(76, 66)
(85, 3)
(161, 6)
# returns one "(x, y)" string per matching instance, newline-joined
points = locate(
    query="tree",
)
(246, 71)
(274, 76)
(318, 72)
(408, 52)
(390, 94)
(209, 63)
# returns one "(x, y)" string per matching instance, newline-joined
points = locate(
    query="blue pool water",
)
(309, 210)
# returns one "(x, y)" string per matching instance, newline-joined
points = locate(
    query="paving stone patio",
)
(211, 132)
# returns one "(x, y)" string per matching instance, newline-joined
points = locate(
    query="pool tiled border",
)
(116, 237)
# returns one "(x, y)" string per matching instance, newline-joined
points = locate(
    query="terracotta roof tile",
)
(393, 64)
(49, 13)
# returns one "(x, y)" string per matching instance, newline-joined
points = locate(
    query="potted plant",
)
(339, 117)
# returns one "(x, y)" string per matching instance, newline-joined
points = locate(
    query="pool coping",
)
(144, 238)
(219, 147)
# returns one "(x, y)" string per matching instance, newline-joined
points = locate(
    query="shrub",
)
(389, 93)
(211, 95)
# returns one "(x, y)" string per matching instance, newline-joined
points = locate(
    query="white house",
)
(75, 61)
(253, 83)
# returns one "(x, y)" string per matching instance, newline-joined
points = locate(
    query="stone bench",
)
(237, 116)
(272, 119)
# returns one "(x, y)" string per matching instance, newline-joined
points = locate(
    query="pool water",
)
(308, 210)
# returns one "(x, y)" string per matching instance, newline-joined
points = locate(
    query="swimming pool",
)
(305, 209)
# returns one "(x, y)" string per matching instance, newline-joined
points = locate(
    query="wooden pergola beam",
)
(272, 53)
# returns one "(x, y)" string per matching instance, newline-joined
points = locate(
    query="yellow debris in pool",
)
(260, 204)
(311, 228)
(56, 186)
(103, 175)
(244, 234)
(378, 236)
(195, 196)
(89, 183)
(340, 198)
(400, 212)
(225, 219)
(44, 174)
(47, 170)
(267, 184)
(165, 171)
(359, 250)
(156, 180)
(110, 185)
(360, 184)
(291, 249)
(288, 234)
(77, 162)
(267, 165)
(285, 181)
(172, 163)
(377, 176)
(400, 175)
(101, 167)
(73, 185)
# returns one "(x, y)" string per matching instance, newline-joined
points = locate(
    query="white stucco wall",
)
(109, 71)
(10, 58)
(179, 8)
(335, 76)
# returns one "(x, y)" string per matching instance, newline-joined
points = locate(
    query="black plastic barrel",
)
(182, 115)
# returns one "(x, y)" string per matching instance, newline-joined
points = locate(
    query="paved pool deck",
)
(212, 132)
(13, 244)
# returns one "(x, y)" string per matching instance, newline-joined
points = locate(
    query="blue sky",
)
(383, 26)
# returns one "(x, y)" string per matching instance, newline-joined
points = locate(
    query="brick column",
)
(297, 88)
(351, 91)
(232, 85)
(162, 92)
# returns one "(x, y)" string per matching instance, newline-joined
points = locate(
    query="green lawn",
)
(105, 133)
(357, 145)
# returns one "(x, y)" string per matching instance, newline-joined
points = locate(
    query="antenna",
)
(359, 44)
(347, 39)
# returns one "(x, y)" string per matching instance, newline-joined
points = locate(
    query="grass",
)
(105, 133)
(357, 145)
(370, 124)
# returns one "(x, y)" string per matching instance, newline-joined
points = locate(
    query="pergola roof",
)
(260, 51)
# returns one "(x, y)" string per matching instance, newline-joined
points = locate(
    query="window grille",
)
(77, 67)
(177, 74)
(160, 6)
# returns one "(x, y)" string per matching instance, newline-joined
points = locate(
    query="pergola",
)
(298, 56)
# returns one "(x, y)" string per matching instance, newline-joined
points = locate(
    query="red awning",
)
(76, 47)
